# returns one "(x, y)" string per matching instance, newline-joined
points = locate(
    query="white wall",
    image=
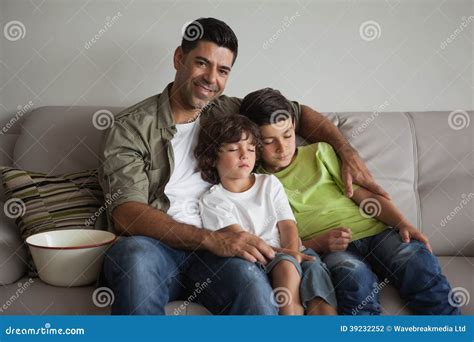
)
(318, 55)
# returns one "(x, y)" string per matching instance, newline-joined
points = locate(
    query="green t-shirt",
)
(314, 186)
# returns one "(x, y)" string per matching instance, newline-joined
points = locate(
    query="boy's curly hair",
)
(213, 135)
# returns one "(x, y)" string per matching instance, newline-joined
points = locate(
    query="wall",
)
(316, 52)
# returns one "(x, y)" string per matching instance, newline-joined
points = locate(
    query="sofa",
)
(423, 159)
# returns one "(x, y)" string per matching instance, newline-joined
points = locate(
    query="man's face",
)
(279, 145)
(202, 73)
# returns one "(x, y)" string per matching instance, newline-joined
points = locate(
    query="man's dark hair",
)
(224, 130)
(266, 106)
(211, 30)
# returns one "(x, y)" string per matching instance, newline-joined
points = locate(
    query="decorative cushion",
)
(40, 202)
(7, 144)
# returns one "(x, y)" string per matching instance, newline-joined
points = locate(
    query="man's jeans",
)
(145, 274)
(409, 267)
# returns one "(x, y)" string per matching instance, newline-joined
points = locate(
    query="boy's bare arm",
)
(315, 127)
(289, 238)
(290, 241)
(389, 214)
(135, 218)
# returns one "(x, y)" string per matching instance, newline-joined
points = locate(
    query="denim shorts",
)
(315, 277)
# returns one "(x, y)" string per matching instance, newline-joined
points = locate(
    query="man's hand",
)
(354, 170)
(314, 127)
(409, 232)
(300, 257)
(228, 243)
(335, 240)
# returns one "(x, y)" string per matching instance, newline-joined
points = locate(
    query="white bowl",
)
(71, 257)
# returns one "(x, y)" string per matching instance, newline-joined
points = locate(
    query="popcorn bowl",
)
(71, 257)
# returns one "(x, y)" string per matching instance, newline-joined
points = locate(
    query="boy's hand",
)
(354, 170)
(409, 232)
(335, 240)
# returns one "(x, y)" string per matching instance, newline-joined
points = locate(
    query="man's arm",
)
(135, 218)
(389, 214)
(314, 127)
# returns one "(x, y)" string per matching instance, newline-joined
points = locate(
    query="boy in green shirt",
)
(359, 238)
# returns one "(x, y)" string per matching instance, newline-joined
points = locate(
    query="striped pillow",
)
(39, 202)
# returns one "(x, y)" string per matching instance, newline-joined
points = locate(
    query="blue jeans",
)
(315, 277)
(409, 267)
(145, 274)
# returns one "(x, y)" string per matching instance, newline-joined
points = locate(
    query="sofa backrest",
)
(424, 163)
(58, 140)
(445, 178)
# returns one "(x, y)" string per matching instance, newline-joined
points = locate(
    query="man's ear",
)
(178, 57)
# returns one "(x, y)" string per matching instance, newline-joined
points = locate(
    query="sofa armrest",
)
(13, 254)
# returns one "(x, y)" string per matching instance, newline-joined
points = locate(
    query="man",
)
(148, 160)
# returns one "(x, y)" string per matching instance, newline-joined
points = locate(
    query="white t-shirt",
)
(185, 186)
(256, 210)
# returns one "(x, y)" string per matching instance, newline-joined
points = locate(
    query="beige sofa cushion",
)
(385, 142)
(445, 182)
(43, 299)
(60, 140)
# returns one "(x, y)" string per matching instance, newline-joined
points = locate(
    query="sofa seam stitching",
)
(416, 170)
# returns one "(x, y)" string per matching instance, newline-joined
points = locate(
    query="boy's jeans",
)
(145, 274)
(409, 267)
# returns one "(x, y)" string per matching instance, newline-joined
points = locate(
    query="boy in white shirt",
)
(241, 200)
